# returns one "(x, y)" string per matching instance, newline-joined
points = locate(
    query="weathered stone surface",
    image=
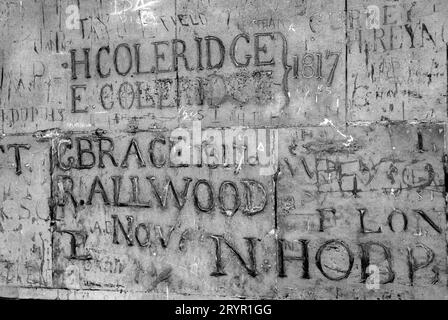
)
(172, 218)
(397, 69)
(223, 149)
(25, 249)
(377, 196)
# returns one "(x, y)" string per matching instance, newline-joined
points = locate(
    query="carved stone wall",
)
(223, 149)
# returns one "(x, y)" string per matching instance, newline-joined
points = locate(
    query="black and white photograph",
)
(247, 152)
